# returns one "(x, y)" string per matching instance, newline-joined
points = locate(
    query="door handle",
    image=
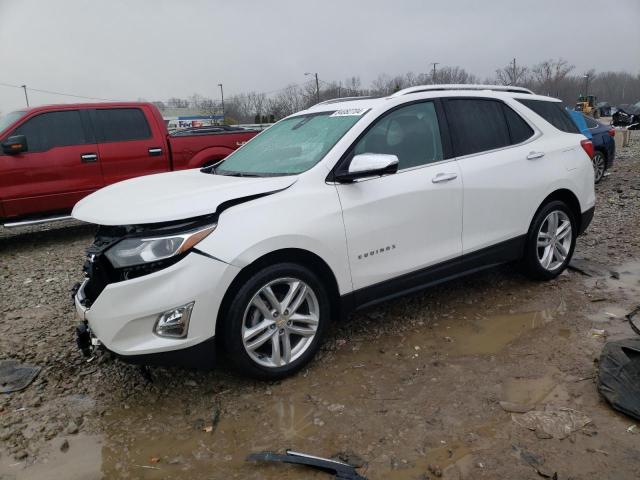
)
(89, 157)
(155, 152)
(444, 177)
(535, 155)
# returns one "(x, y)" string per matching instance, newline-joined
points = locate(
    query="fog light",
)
(174, 323)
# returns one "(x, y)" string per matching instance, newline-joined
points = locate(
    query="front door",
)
(401, 223)
(60, 167)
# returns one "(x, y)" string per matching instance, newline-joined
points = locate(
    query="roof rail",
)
(342, 99)
(461, 86)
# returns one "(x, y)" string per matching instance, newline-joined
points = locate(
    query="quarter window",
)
(518, 128)
(477, 125)
(552, 112)
(411, 133)
(53, 129)
(122, 124)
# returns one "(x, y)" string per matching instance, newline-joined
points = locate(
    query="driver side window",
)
(411, 133)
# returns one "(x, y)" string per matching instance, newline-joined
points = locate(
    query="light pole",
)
(317, 85)
(26, 97)
(222, 95)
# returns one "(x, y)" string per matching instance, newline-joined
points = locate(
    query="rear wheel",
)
(550, 241)
(276, 322)
(599, 165)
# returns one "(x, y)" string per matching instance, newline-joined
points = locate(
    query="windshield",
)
(9, 118)
(291, 146)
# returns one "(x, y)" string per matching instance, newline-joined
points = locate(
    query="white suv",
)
(338, 207)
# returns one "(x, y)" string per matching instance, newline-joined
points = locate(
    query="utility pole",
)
(514, 73)
(433, 75)
(586, 87)
(26, 97)
(222, 95)
(317, 85)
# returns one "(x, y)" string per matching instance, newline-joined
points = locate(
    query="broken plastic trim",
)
(341, 470)
(634, 319)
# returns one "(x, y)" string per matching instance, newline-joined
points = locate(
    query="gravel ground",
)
(417, 388)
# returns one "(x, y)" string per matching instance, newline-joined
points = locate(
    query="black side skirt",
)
(503, 252)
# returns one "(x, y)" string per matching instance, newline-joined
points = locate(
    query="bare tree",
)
(177, 103)
(549, 75)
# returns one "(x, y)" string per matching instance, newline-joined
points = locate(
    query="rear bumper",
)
(585, 219)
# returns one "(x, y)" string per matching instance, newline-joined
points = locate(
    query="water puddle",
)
(489, 335)
(368, 397)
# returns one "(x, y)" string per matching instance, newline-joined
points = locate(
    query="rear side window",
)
(552, 112)
(53, 129)
(518, 128)
(591, 123)
(411, 133)
(477, 125)
(122, 124)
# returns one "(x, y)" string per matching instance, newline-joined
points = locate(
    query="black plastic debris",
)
(341, 470)
(16, 376)
(619, 377)
(634, 319)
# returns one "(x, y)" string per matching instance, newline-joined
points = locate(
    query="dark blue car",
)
(604, 146)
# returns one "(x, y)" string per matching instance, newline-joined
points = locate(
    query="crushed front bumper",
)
(124, 315)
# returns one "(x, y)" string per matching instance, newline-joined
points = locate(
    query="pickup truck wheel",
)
(276, 322)
(550, 241)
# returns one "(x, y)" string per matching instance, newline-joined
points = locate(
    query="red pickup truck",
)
(52, 156)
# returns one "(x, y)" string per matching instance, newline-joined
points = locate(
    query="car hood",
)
(171, 196)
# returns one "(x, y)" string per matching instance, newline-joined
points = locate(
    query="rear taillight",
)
(587, 146)
(612, 132)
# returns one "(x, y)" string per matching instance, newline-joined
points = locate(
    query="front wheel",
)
(276, 322)
(599, 165)
(550, 241)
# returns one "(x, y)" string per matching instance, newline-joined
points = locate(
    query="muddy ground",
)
(417, 388)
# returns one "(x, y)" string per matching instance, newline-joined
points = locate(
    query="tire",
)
(253, 318)
(599, 165)
(545, 262)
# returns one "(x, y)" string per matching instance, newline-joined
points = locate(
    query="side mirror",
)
(369, 165)
(15, 144)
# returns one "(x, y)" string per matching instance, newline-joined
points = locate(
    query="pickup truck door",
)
(60, 166)
(398, 225)
(130, 143)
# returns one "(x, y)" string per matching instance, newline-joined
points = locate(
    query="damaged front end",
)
(141, 250)
(121, 253)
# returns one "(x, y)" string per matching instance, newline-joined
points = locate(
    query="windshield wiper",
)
(240, 174)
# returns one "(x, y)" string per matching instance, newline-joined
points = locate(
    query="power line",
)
(51, 92)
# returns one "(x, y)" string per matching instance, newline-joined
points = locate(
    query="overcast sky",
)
(156, 49)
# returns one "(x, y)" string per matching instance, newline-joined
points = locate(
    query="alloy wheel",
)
(280, 322)
(554, 240)
(598, 166)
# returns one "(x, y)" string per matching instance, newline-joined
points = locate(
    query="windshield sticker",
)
(349, 112)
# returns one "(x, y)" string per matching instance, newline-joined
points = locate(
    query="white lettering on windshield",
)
(349, 112)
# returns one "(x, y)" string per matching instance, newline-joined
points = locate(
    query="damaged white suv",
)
(338, 207)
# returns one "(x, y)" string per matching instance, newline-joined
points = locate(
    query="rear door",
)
(129, 145)
(60, 167)
(401, 223)
(502, 170)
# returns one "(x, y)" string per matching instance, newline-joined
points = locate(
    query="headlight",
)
(137, 251)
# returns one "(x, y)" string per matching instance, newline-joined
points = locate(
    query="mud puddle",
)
(368, 396)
